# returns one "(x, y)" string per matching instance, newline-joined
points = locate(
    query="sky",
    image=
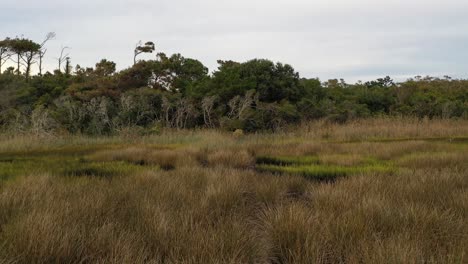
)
(349, 39)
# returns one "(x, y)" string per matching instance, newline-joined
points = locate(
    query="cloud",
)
(326, 39)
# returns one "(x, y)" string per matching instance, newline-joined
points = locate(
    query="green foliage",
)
(271, 116)
(273, 82)
(105, 68)
(147, 47)
(177, 92)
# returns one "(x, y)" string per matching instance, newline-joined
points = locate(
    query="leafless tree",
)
(63, 57)
(207, 107)
(42, 124)
(185, 110)
(239, 105)
(131, 104)
(98, 110)
(167, 108)
(74, 113)
(179, 114)
(43, 50)
(250, 97)
(233, 106)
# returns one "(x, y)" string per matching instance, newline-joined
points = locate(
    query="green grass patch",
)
(313, 160)
(98, 169)
(65, 166)
(314, 168)
(63, 162)
(285, 160)
(323, 172)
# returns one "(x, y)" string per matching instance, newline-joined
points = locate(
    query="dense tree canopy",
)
(174, 91)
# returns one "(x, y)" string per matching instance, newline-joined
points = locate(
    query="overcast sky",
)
(350, 39)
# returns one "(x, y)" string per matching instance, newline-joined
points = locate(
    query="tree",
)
(381, 82)
(137, 76)
(68, 67)
(63, 57)
(184, 112)
(273, 82)
(16, 49)
(184, 73)
(239, 106)
(148, 47)
(43, 50)
(30, 51)
(5, 52)
(207, 107)
(105, 68)
(26, 51)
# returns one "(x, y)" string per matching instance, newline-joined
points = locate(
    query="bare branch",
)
(42, 50)
(63, 57)
(49, 36)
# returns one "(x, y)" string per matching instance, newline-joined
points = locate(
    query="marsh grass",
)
(325, 172)
(99, 169)
(323, 167)
(64, 162)
(435, 160)
(323, 193)
(288, 160)
(165, 158)
(385, 128)
(229, 158)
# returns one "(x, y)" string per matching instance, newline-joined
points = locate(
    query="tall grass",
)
(387, 128)
(211, 197)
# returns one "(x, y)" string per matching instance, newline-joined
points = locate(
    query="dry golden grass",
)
(165, 158)
(375, 220)
(386, 128)
(213, 206)
(436, 160)
(195, 216)
(389, 150)
(220, 215)
(230, 158)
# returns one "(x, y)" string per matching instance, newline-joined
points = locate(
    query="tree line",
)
(177, 92)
